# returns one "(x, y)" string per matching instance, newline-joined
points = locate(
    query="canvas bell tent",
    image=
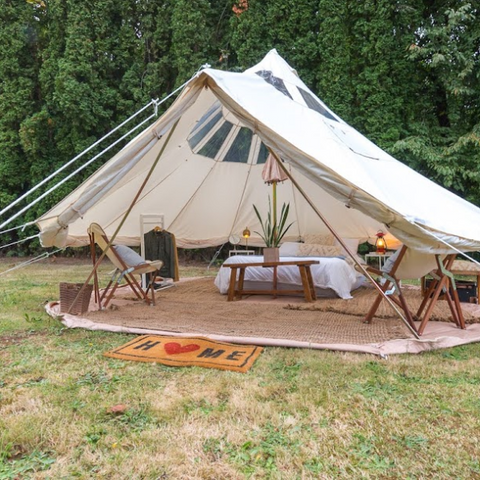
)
(199, 166)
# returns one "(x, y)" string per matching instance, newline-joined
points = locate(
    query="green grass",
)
(296, 414)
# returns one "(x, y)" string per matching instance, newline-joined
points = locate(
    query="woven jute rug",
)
(364, 297)
(196, 307)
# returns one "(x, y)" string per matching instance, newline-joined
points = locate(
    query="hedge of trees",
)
(406, 73)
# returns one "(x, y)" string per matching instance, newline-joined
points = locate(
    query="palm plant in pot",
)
(273, 230)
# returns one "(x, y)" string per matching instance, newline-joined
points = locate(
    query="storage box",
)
(466, 289)
(68, 294)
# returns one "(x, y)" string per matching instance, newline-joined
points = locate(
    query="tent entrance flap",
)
(109, 243)
(408, 323)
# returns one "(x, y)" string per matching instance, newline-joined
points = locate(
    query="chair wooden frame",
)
(443, 282)
(122, 271)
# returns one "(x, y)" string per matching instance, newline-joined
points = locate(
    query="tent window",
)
(240, 148)
(212, 147)
(313, 104)
(203, 127)
(277, 82)
(262, 154)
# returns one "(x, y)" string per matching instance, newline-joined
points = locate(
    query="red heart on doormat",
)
(174, 348)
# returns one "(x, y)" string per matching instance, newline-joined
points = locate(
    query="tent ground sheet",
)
(194, 307)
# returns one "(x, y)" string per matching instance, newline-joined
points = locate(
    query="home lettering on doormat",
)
(183, 352)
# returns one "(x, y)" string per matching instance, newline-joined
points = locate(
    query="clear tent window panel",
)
(240, 149)
(262, 153)
(277, 82)
(204, 126)
(313, 104)
(212, 147)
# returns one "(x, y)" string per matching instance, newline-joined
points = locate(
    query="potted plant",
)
(273, 231)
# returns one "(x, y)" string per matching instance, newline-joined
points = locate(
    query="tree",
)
(404, 72)
(445, 146)
(18, 85)
(191, 35)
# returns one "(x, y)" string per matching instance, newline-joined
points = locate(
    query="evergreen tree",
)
(18, 84)
(18, 94)
(151, 74)
(191, 35)
(404, 72)
(444, 143)
(365, 72)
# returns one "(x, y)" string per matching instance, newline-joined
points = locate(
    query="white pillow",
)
(130, 257)
(351, 243)
(314, 250)
(289, 249)
(320, 238)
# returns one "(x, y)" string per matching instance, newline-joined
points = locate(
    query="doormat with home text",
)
(187, 352)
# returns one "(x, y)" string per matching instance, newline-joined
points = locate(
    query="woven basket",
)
(68, 293)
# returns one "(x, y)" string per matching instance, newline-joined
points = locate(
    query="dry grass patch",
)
(296, 414)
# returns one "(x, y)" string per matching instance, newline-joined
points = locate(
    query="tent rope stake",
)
(342, 243)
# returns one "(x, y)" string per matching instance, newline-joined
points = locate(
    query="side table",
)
(380, 258)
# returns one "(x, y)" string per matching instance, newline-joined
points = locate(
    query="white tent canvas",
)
(211, 145)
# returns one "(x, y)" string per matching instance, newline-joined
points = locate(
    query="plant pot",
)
(271, 254)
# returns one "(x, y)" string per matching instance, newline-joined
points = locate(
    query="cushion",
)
(289, 249)
(351, 243)
(316, 250)
(130, 257)
(320, 239)
(465, 266)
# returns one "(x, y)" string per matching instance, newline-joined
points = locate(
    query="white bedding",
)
(331, 273)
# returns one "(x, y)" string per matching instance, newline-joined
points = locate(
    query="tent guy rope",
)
(74, 159)
(36, 259)
(74, 173)
(155, 102)
(19, 241)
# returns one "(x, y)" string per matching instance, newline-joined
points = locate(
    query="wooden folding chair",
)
(443, 283)
(127, 264)
(417, 266)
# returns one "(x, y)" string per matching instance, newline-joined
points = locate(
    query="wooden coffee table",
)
(236, 290)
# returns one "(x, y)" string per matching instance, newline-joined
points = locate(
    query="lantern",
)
(381, 243)
(246, 236)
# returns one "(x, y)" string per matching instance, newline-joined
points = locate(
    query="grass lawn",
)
(297, 413)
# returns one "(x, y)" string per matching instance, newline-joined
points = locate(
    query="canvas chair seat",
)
(127, 263)
(414, 264)
(405, 264)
